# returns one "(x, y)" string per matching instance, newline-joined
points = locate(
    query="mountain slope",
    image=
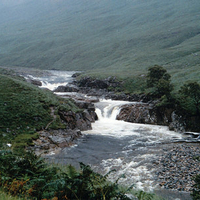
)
(110, 37)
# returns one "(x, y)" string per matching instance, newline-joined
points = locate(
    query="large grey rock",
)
(151, 114)
(66, 89)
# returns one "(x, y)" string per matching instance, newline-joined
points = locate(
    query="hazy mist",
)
(119, 35)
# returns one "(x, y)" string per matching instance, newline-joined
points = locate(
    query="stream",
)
(129, 148)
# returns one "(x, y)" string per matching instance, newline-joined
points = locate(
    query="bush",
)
(29, 176)
(158, 82)
(196, 188)
(189, 97)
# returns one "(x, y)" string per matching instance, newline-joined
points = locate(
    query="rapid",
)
(129, 148)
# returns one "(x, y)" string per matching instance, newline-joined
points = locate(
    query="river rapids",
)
(128, 148)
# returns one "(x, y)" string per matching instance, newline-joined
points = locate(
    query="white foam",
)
(52, 86)
(9, 145)
(140, 136)
(52, 79)
(133, 173)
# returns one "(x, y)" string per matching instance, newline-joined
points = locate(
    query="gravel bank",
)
(177, 166)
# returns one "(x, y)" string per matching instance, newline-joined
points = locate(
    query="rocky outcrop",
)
(89, 110)
(80, 120)
(52, 141)
(67, 88)
(109, 88)
(149, 113)
(96, 83)
(34, 82)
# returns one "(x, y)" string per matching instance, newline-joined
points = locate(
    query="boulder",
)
(95, 83)
(92, 83)
(66, 89)
(52, 141)
(80, 120)
(138, 113)
(149, 113)
(34, 82)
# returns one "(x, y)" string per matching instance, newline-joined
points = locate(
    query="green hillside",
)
(26, 109)
(107, 37)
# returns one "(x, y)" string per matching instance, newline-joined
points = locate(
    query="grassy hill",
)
(106, 37)
(26, 109)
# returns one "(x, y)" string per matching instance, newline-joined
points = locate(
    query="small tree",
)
(158, 80)
(190, 97)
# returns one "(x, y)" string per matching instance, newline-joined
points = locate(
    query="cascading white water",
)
(52, 79)
(111, 144)
(110, 109)
(132, 145)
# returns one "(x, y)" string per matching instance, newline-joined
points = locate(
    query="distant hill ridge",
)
(109, 37)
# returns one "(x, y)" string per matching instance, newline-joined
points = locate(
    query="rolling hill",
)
(107, 37)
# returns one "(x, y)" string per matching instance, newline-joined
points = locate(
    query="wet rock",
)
(80, 120)
(66, 89)
(34, 82)
(89, 110)
(143, 113)
(54, 140)
(75, 75)
(150, 113)
(93, 83)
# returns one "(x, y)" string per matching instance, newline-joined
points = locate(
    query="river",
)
(129, 148)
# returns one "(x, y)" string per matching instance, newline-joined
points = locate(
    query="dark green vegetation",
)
(196, 188)
(120, 38)
(30, 176)
(26, 109)
(186, 102)
(159, 81)
(190, 97)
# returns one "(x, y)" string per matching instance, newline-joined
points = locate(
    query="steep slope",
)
(110, 37)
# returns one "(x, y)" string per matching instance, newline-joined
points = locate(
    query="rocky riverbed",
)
(177, 167)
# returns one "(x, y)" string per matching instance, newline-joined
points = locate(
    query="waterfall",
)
(129, 148)
(109, 109)
(52, 79)
(110, 112)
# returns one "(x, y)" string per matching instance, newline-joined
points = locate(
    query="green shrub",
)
(29, 176)
(196, 188)
(158, 81)
(189, 97)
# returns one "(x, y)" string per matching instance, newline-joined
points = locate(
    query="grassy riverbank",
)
(26, 109)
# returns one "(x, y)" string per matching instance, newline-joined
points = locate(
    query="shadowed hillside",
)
(108, 36)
